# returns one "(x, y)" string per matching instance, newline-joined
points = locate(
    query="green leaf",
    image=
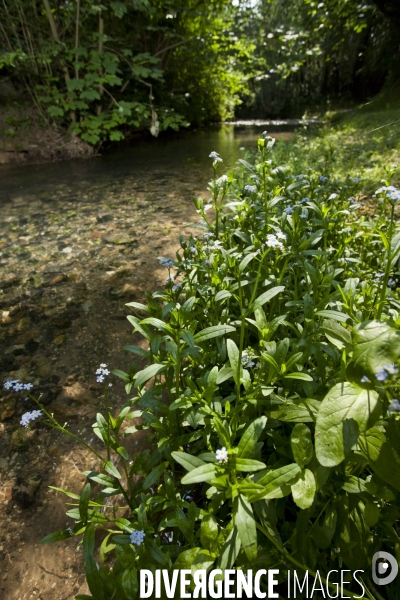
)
(57, 536)
(344, 413)
(301, 443)
(229, 551)
(333, 314)
(84, 502)
(266, 296)
(303, 490)
(130, 583)
(248, 464)
(300, 410)
(206, 472)
(212, 332)
(298, 375)
(246, 526)
(154, 475)
(250, 437)
(221, 295)
(376, 345)
(233, 354)
(156, 323)
(323, 535)
(354, 485)
(136, 350)
(109, 467)
(187, 461)
(208, 532)
(151, 371)
(277, 482)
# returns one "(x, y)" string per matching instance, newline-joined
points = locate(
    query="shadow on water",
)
(168, 157)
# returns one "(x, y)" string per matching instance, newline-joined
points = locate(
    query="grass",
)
(357, 143)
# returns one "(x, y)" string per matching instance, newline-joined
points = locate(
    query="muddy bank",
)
(26, 137)
(69, 262)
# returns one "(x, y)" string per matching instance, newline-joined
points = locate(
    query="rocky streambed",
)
(69, 259)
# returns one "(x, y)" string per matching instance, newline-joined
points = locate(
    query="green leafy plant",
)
(268, 398)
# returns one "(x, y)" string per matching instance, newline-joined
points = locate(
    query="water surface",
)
(183, 156)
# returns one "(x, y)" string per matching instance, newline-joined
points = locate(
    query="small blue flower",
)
(176, 286)
(323, 179)
(355, 179)
(289, 210)
(381, 375)
(250, 189)
(166, 262)
(137, 537)
(364, 379)
(215, 156)
(394, 406)
(303, 215)
(391, 283)
(30, 416)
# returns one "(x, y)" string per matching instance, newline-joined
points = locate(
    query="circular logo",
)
(384, 571)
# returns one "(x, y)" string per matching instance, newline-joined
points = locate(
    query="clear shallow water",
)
(183, 157)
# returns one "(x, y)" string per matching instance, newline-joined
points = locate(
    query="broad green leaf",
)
(248, 464)
(297, 411)
(151, 371)
(188, 461)
(233, 354)
(154, 475)
(229, 551)
(109, 467)
(57, 536)
(376, 345)
(246, 526)
(301, 443)
(206, 472)
(354, 485)
(266, 296)
(208, 532)
(344, 413)
(156, 323)
(277, 482)
(333, 314)
(222, 295)
(338, 335)
(136, 350)
(250, 437)
(323, 534)
(303, 490)
(298, 375)
(212, 332)
(130, 583)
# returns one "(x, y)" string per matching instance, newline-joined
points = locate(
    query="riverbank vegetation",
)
(103, 70)
(269, 393)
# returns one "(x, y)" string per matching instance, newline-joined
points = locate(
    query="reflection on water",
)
(183, 156)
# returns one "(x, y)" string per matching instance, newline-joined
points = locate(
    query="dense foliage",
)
(269, 397)
(104, 68)
(311, 52)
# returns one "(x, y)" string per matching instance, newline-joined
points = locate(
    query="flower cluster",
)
(215, 156)
(102, 372)
(273, 241)
(394, 406)
(137, 537)
(222, 455)
(17, 386)
(383, 373)
(166, 262)
(30, 416)
(391, 192)
(250, 189)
